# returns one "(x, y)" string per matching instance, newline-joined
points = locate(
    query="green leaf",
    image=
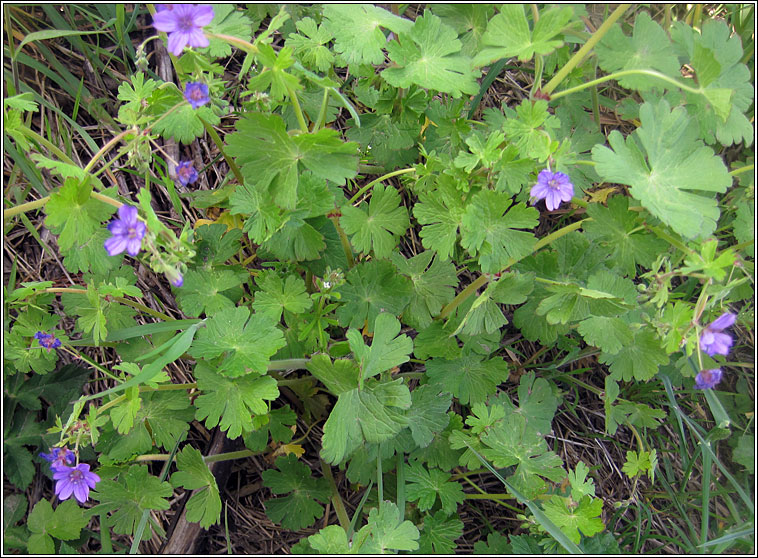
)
(278, 427)
(744, 223)
(277, 296)
(127, 499)
(428, 485)
(381, 226)
(617, 228)
(268, 156)
(163, 419)
(214, 245)
(433, 286)
(372, 287)
(580, 486)
(744, 453)
(246, 342)
(639, 360)
(677, 162)
(468, 378)
(607, 333)
(232, 402)
(427, 56)
(373, 414)
(427, 416)
(301, 508)
(496, 544)
(65, 523)
(386, 531)
(508, 34)
(330, 540)
(210, 291)
(441, 213)
(204, 505)
(576, 520)
(489, 229)
(649, 48)
(530, 128)
(123, 414)
(388, 349)
(391, 140)
(338, 377)
(227, 20)
(716, 54)
(74, 215)
(513, 442)
(310, 47)
(357, 33)
(22, 102)
(640, 462)
(183, 124)
(439, 533)
(273, 76)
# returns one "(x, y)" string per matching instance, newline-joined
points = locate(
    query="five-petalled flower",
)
(59, 457)
(184, 23)
(196, 94)
(74, 480)
(186, 173)
(127, 232)
(707, 379)
(553, 187)
(712, 341)
(47, 340)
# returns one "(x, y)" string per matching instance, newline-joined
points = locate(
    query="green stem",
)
(339, 507)
(298, 110)
(107, 147)
(241, 43)
(366, 187)
(622, 73)
(42, 141)
(105, 199)
(670, 239)
(322, 112)
(345, 242)
(145, 309)
(586, 48)
(24, 207)
(289, 364)
(480, 281)
(169, 387)
(229, 161)
(740, 170)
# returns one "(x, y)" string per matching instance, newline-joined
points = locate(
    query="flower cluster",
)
(553, 187)
(714, 342)
(47, 340)
(127, 232)
(184, 23)
(70, 479)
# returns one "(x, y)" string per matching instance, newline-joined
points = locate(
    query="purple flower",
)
(175, 277)
(186, 173)
(47, 340)
(707, 379)
(74, 480)
(553, 187)
(712, 341)
(179, 281)
(127, 232)
(196, 94)
(59, 457)
(184, 23)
